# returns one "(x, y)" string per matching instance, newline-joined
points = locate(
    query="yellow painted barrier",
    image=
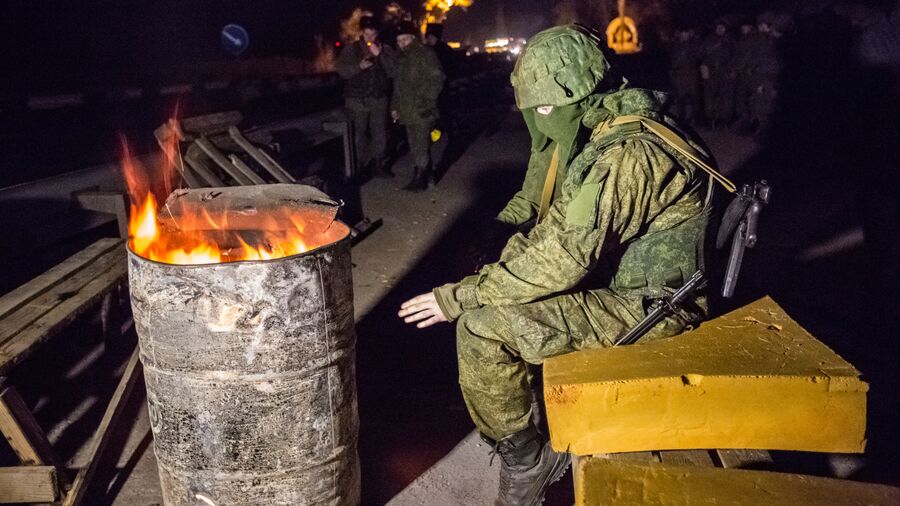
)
(620, 483)
(752, 379)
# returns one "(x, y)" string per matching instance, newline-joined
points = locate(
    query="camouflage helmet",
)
(560, 66)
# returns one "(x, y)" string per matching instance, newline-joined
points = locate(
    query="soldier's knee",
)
(477, 337)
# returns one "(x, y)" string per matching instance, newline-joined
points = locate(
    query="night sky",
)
(55, 46)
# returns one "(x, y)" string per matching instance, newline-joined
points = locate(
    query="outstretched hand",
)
(423, 310)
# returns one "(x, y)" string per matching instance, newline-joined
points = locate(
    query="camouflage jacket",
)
(631, 218)
(418, 81)
(372, 82)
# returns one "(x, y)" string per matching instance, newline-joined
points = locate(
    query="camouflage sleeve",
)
(525, 203)
(626, 188)
(431, 77)
(347, 64)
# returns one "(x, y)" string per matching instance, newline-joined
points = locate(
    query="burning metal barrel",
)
(249, 364)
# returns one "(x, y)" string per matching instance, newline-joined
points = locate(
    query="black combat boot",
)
(419, 181)
(528, 466)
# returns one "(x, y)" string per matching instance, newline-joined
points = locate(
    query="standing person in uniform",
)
(766, 64)
(745, 52)
(627, 224)
(717, 71)
(364, 64)
(684, 74)
(418, 81)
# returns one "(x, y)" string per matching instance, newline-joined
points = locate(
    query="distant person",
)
(418, 81)
(434, 38)
(363, 64)
(766, 69)
(684, 74)
(745, 52)
(717, 71)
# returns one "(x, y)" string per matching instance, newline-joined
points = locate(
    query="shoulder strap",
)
(549, 185)
(676, 142)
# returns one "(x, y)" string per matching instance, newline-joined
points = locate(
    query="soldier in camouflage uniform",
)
(766, 65)
(745, 60)
(626, 224)
(363, 64)
(684, 74)
(717, 71)
(418, 81)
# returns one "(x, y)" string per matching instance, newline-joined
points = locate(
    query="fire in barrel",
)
(242, 300)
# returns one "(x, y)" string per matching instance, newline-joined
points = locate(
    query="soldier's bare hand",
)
(365, 64)
(395, 115)
(423, 310)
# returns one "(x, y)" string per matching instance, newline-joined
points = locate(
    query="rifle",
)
(740, 223)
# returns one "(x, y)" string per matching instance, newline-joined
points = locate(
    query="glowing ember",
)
(215, 225)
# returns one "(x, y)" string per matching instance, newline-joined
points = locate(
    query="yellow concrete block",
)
(752, 378)
(617, 483)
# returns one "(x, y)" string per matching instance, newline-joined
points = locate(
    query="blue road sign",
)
(235, 39)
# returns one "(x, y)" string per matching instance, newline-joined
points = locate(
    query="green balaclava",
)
(560, 67)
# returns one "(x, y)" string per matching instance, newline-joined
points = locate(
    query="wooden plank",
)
(742, 459)
(22, 431)
(25, 436)
(194, 159)
(224, 163)
(261, 157)
(687, 457)
(28, 484)
(36, 308)
(16, 350)
(631, 456)
(103, 436)
(21, 295)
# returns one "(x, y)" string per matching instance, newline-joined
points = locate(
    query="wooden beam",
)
(225, 164)
(23, 318)
(22, 431)
(20, 346)
(687, 457)
(744, 459)
(28, 484)
(22, 295)
(102, 437)
(109, 202)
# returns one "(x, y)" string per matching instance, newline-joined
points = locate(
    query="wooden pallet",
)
(32, 315)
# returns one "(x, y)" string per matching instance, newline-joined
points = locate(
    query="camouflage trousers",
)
(370, 123)
(495, 344)
(419, 136)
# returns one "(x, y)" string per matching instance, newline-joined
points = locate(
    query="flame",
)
(200, 238)
(436, 10)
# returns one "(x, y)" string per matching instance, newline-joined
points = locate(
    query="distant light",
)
(337, 44)
(454, 45)
(516, 50)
